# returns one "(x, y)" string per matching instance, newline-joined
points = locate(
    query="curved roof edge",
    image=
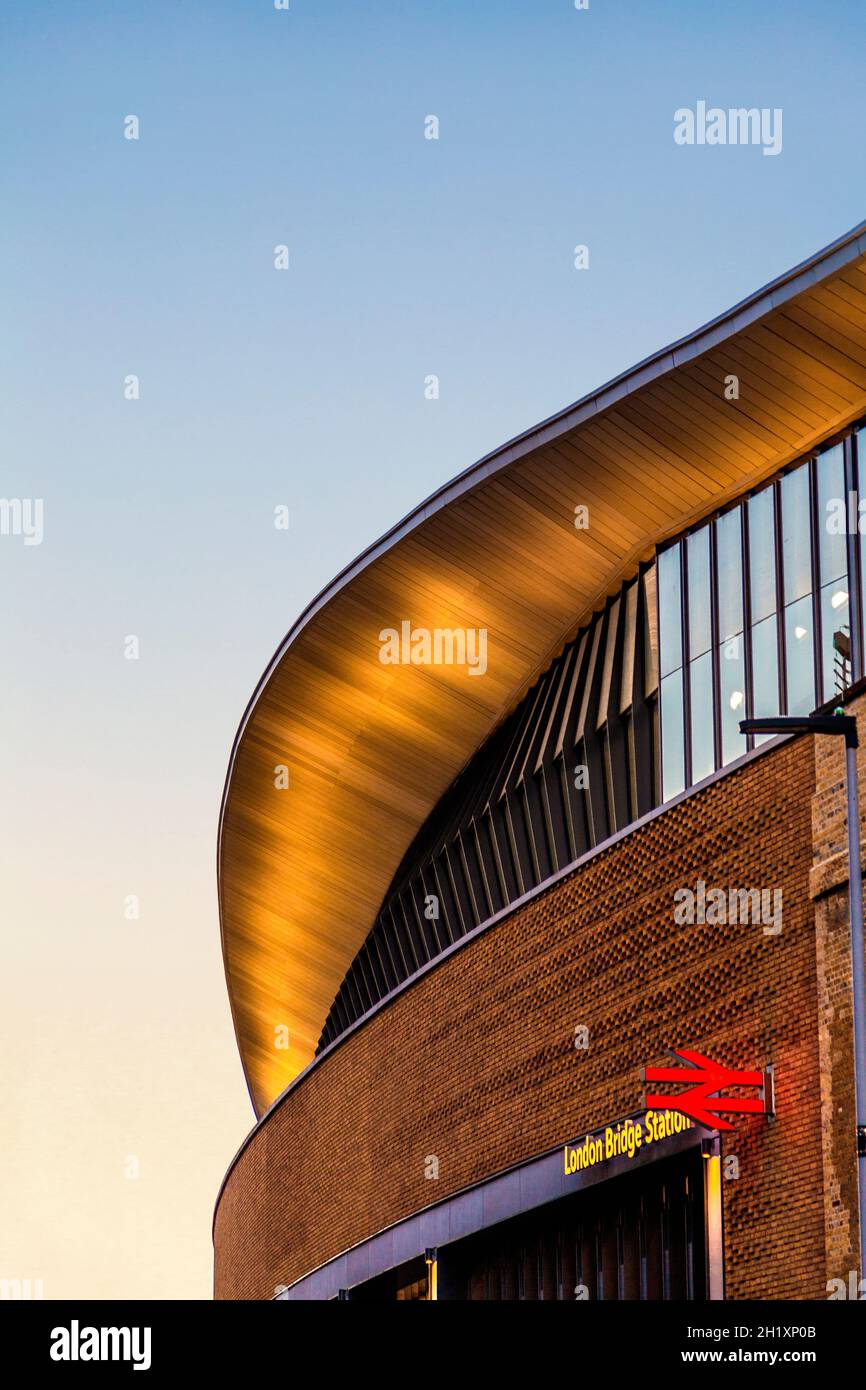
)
(253, 841)
(851, 246)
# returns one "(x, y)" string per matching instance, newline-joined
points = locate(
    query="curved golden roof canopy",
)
(370, 748)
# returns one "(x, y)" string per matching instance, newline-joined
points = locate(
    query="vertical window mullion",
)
(745, 541)
(718, 756)
(818, 644)
(687, 693)
(853, 552)
(780, 599)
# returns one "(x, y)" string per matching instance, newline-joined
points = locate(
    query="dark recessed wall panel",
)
(574, 762)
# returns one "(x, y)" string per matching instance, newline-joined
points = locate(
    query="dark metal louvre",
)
(516, 813)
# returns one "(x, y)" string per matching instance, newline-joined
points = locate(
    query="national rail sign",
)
(705, 1079)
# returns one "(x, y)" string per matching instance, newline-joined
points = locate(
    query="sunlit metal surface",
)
(370, 747)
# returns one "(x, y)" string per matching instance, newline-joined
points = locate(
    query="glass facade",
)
(753, 613)
(760, 612)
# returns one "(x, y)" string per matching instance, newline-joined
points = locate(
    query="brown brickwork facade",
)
(475, 1061)
(829, 886)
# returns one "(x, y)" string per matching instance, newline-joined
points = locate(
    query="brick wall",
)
(475, 1063)
(829, 887)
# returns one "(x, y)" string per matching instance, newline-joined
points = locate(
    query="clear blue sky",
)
(408, 257)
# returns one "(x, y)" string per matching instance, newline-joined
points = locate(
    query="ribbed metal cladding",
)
(575, 762)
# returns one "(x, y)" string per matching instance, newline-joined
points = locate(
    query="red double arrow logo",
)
(705, 1078)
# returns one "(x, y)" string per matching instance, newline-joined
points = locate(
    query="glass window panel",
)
(835, 618)
(799, 656)
(670, 610)
(765, 672)
(698, 555)
(762, 553)
(701, 704)
(651, 631)
(796, 534)
(732, 686)
(673, 735)
(729, 564)
(832, 515)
